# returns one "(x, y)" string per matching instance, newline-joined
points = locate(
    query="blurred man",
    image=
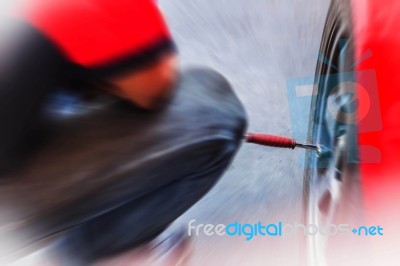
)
(139, 145)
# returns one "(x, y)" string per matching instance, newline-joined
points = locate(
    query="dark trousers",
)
(110, 177)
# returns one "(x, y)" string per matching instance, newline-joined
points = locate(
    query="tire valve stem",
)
(279, 142)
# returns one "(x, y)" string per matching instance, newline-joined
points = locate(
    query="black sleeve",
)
(30, 67)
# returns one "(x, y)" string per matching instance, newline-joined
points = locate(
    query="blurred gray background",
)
(257, 45)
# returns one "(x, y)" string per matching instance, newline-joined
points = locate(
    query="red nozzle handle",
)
(270, 140)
